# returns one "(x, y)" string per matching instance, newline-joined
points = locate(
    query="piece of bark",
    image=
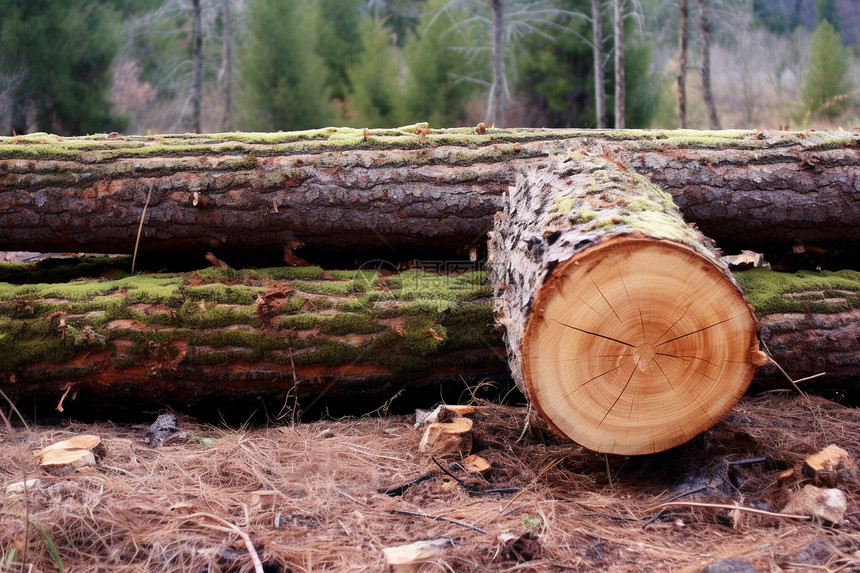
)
(475, 464)
(623, 327)
(67, 456)
(336, 191)
(447, 438)
(409, 558)
(831, 466)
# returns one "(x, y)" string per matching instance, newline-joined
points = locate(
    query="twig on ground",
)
(439, 518)
(747, 461)
(229, 527)
(447, 472)
(732, 507)
(401, 489)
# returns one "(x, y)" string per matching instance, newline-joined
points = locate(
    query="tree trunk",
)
(599, 76)
(337, 193)
(340, 335)
(227, 66)
(216, 333)
(707, 91)
(18, 112)
(682, 64)
(498, 91)
(620, 81)
(624, 329)
(197, 64)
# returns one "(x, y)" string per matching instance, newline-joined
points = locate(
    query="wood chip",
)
(65, 457)
(408, 558)
(831, 466)
(475, 464)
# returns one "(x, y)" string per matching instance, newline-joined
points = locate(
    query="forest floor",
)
(312, 497)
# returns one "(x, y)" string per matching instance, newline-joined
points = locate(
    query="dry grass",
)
(151, 509)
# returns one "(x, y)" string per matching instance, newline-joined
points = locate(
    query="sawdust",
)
(310, 497)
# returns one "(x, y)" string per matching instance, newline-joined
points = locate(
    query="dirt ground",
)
(312, 497)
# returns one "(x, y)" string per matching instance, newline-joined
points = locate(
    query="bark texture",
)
(341, 190)
(683, 14)
(224, 333)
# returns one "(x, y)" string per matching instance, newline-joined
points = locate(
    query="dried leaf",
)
(432, 333)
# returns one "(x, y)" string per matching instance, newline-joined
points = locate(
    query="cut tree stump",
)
(625, 330)
(345, 190)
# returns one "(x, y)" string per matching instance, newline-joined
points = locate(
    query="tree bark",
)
(197, 64)
(227, 66)
(683, 13)
(707, 91)
(337, 193)
(624, 329)
(499, 88)
(220, 333)
(620, 80)
(599, 75)
(339, 335)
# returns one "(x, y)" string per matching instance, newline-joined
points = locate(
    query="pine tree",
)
(284, 77)
(62, 52)
(436, 85)
(375, 79)
(339, 41)
(826, 88)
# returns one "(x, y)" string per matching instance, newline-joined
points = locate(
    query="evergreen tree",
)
(437, 82)
(339, 38)
(828, 10)
(375, 79)
(826, 88)
(284, 77)
(62, 52)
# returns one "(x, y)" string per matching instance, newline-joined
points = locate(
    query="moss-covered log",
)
(623, 326)
(406, 189)
(180, 338)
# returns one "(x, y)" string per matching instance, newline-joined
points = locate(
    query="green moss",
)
(770, 292)
(417, 336)
(353, 304)
(305, 321)
(258, 341)
(330, 353)
(329, 288)
(351, 323)
(219, 293)
(290, 273)
(32, 341)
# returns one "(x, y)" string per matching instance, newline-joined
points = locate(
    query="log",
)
(130, 341)
(624, 329)
(203, 336)
(408, 190)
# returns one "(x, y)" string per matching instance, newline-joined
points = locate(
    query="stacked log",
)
(411, 189)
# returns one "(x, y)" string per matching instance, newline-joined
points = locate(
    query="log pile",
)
(593, 265)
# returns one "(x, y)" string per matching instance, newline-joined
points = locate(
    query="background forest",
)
(160, 66)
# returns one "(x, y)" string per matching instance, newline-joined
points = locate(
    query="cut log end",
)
(637, 345)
